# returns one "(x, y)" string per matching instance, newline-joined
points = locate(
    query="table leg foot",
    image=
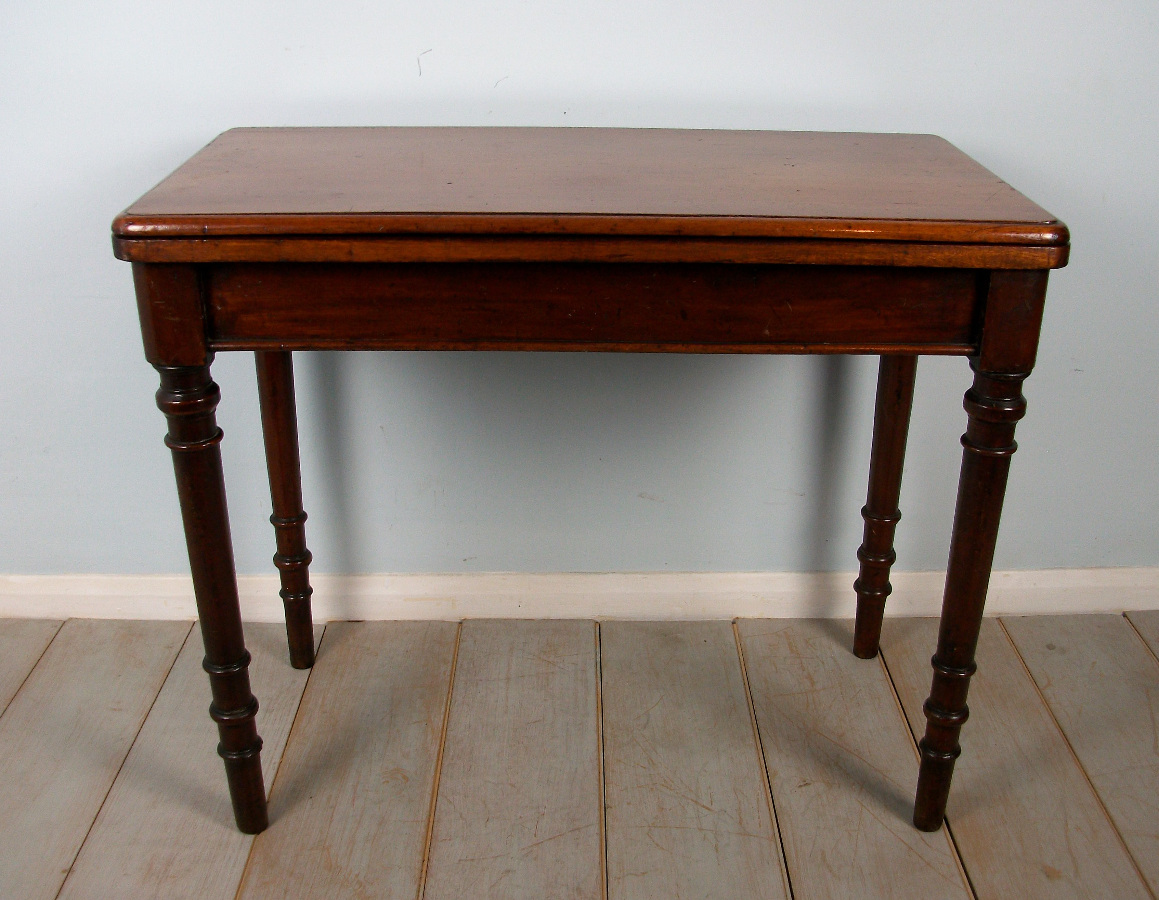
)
(275, 369)
(994, 405)
(895, 392)
(188, 398)
(240, 746)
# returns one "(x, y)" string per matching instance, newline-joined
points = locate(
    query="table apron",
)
(625, 306)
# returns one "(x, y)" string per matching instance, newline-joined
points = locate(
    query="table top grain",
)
(359, 183)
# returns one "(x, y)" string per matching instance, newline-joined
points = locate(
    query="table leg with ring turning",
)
(895, 395)
(994, 405)
(188, 398)
(275, 370)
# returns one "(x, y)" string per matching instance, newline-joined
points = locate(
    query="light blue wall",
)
(418, 462)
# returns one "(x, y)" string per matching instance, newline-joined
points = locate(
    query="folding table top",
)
(370, 183)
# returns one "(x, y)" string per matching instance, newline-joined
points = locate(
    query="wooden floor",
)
(570, 759)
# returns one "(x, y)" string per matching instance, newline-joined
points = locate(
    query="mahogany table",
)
(274, 240)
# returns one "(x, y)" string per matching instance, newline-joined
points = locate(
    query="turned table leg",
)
(994, 405)
(188, 397)
(280, 428)
(895, 395)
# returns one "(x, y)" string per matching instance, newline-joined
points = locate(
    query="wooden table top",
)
(675, 185)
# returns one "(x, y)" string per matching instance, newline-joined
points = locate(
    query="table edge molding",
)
(594, 249)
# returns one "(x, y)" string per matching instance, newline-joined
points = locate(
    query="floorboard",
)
(1147, 624)
(166, 829)
(1102, 684)
(518, 814)
(63, 739)
(564, 759)
(687, 805)
(22, 643)
(842, 767)
(1024, 817)
(352, 799)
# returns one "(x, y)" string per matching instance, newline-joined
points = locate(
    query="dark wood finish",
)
(351, 181)
(895, 397)
(1012, 320)
(519, 248)
(172, 314)
(719, 308)
(586, 195)
(994, 405)
(188, 398)
(275, 369)
(588, 239)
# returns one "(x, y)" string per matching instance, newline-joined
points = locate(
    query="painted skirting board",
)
(644, 595)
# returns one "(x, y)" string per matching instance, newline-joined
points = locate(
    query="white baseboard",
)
(660, 595)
